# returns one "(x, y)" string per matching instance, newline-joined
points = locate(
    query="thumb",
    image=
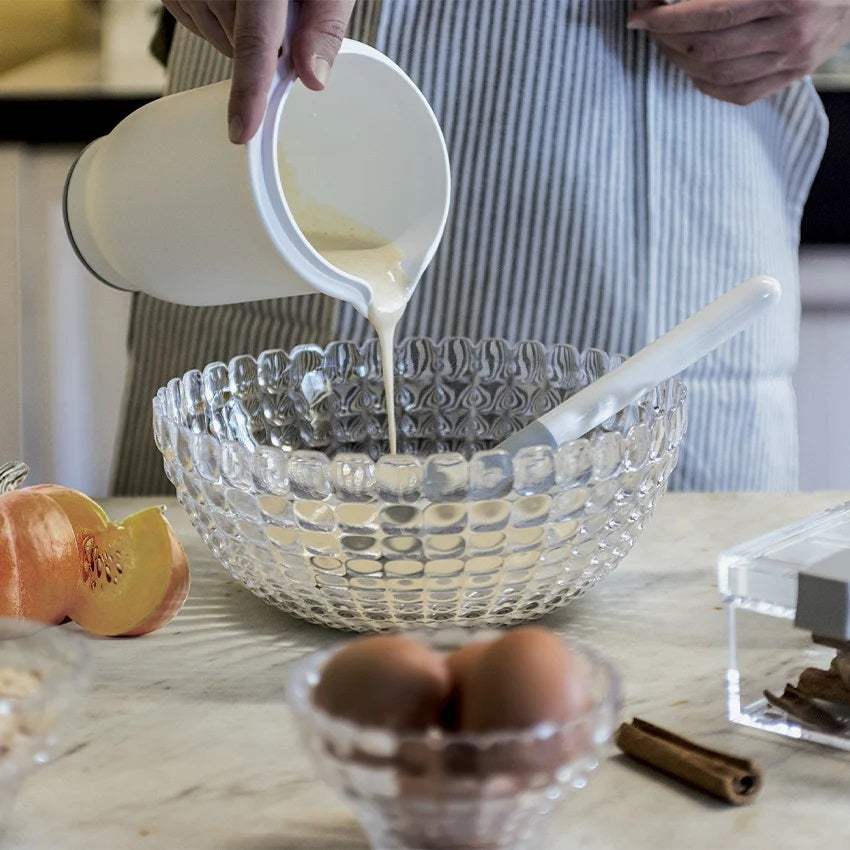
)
(318, 36)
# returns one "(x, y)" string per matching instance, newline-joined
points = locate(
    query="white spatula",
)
(660, 360)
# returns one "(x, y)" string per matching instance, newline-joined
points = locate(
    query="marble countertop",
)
(184, 741)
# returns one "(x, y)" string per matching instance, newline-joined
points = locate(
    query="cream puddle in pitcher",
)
(354, 249)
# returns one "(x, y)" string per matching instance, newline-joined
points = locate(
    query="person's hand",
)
(252, 31)
(743, 50)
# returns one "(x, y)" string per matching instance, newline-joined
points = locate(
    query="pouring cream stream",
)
(354, 249)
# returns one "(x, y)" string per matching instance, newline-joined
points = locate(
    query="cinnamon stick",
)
(840, 666)
(833, 643)
(735, 780)
(798, 705)
(815, 683)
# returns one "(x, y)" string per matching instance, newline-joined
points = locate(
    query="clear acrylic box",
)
(759, 580)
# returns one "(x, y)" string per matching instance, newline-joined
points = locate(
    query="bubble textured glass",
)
(414, 790)
(281, 462)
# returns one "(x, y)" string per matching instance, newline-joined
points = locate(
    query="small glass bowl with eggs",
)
(454, 738)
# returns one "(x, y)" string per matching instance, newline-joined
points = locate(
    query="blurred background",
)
(34, 27)
(72, 69)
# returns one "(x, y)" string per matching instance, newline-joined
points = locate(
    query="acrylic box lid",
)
(764, 574)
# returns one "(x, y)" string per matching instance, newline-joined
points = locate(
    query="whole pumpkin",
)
(39, 559)
(60, 556)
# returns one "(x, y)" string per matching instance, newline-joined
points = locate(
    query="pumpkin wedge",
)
(85, 515)
(134, 577)
(130, 582)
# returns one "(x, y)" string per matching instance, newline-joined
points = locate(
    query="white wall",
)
(10, 310)
(72, 333)
(822, 381)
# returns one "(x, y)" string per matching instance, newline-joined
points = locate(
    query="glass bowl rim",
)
(674, 390)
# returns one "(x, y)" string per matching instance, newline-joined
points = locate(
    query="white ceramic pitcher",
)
(166, 205)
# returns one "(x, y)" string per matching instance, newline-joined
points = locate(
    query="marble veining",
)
(184, 741)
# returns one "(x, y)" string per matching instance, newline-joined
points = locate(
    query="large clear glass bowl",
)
(442, 790)
(281, 462)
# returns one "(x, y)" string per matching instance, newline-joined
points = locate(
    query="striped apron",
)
(598, 199)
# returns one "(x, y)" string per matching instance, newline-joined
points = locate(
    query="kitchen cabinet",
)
(62, 333)
(10, 309)
(63, 378)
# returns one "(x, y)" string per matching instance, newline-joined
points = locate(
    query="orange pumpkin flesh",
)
(134, 577)
(176, 593)
(97, 537)
(39, 559)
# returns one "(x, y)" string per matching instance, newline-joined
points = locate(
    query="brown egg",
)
(527, 676)
(460, 663)
(392, 681)
(463, 659)
(524, 678)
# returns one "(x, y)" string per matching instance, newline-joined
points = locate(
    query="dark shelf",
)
(826, 216)
(62, 120)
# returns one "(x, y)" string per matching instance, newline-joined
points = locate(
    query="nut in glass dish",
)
(444, 790)
(281, 462)
(42, 670)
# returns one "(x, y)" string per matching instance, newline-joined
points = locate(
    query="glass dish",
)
(42, 670)
(281, 462)
(759, 581)
(455, 791)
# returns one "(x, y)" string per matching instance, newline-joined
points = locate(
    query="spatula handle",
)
(681, 346)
